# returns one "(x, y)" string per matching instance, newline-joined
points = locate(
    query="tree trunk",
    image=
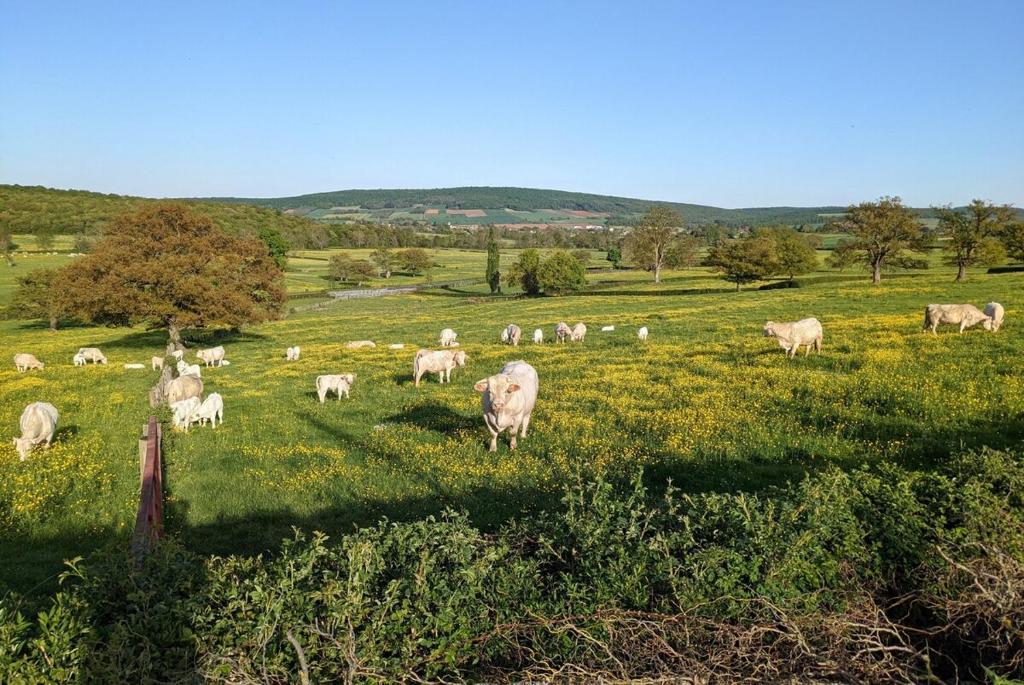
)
(174, 333)
(53, 323)
(876, 272)
(657, 274)
(737, 286)
(961, 272)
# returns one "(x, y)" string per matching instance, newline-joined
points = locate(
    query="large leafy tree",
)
(1013, 240)
(973, 234)
(882, 233)
(561, 272)
(526, 271)
(7, 246)
(649, 245)
(794, 252)
(493, 261)
(415, 261)
(276, 244)
(36, 298)
(745, 260)
(384, 258)
(343, 268)
(169, 267)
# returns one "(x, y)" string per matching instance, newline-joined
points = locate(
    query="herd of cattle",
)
(507, 399)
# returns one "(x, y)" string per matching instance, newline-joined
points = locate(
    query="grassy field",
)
(707, 402)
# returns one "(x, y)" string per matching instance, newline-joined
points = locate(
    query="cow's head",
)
(461, 358)
(769, 329)
(499, 388)
(987, 323)
(24, 446)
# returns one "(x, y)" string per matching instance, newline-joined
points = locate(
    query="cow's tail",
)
(416, 361)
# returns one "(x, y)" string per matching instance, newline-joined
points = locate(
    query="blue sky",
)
(731, 104)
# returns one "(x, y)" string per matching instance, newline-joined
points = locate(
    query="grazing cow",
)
(186, 369)
(341, 383)
(396, 346)
(794, 334)
(642, 333)
(292, 353)
(360, 344)
(448, 336)
(26, 361)
(92, 354)
(184, 412)
(966, 315)
(78, 359)
(211, 357)
(508, 399)
(562, 331)
(210, 410)
(157, 363)
(996, 312)
(178, 355)
(182, 388)
(579, 332)
(38, 425)
(440, 362)
(607, 329)
(538, 336)
(511, 335)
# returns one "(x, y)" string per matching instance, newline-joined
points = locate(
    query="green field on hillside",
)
(707, 402)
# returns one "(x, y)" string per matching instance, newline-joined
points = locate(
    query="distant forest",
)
(527, 199)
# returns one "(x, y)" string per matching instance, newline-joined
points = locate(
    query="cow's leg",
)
(526, 424)
(322, 395)
(515, 430)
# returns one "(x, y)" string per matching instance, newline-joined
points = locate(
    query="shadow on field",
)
(435, 416)
(157, 339)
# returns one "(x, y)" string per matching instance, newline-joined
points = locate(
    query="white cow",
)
(396, 346)
(538, 336)
(292, 353)
(78, 359)
(340, 384)
(966, 315)
(996, 311)
(157, 363)
(184, 412)
(38, 425)
(579, 332)
(562, 331)
(92, 354)
(210, 410)
(607, 329)
(642, 333)
(134, 366)
(511, 335)
(360, 344)
(794, 334)
(186, 369)
(448, 336)
(178, 355)
(26, 361)
(440, 362)
(211, 357)
(184, 387)
(508, 399)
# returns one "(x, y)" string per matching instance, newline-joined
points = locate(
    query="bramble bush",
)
(875, 575)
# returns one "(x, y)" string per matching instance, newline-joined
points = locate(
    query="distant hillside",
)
(34, 210)
(513, 205)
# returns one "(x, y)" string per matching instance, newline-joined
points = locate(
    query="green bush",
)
(877, 575)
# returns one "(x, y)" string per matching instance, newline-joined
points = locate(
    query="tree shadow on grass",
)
(434, 416)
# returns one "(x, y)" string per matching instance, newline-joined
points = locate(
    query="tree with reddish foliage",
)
(171, 268)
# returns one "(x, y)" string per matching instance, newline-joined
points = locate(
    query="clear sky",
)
(725, 103)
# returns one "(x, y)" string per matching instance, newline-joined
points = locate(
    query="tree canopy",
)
(974, 234)
(882, 233)
(561, 272)
(649, 245)
(744, 260)
(169, 267)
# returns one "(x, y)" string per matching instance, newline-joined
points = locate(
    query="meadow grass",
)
(707, 402)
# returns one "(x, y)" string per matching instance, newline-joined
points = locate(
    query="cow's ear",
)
(480, 386)
(513, 388)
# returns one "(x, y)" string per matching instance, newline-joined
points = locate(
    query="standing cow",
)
(92, 354)
(440, 362)
(212, 357)
(795, 334)
(996, 312)
(448, 336)
(339, 383)
(964, 315)
(511, 335)
(579, 332)
(38, 425)
(508, 400)
(26, 361)
(562, 331)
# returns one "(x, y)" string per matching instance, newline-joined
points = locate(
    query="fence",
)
(149, 522)
(400, 290)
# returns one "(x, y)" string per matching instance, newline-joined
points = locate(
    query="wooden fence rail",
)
(149, 522)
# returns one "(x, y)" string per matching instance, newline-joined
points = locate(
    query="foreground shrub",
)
(878, 575)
